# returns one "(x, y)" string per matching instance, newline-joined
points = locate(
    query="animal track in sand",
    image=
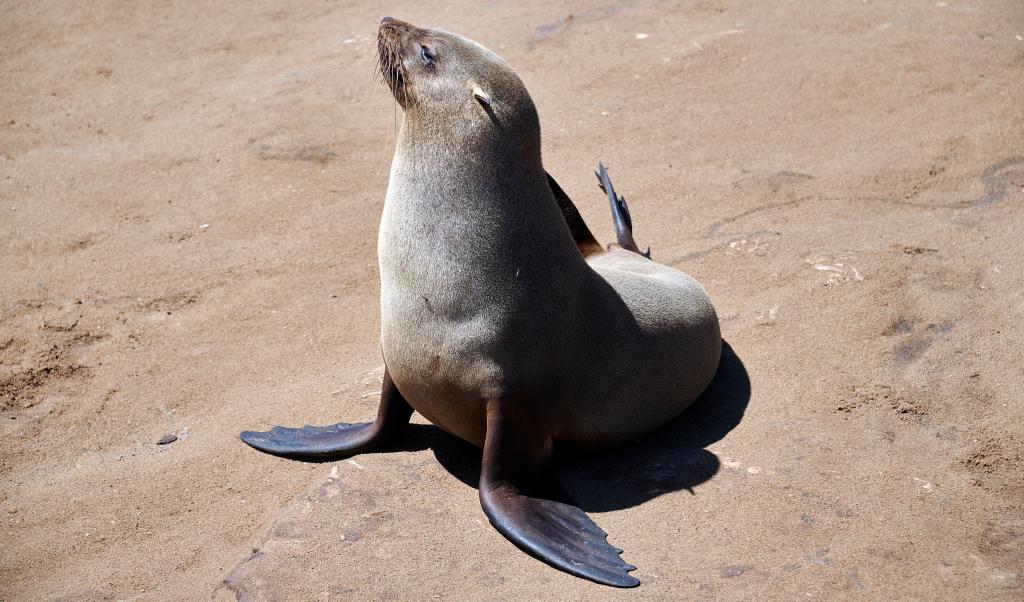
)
(29, 367)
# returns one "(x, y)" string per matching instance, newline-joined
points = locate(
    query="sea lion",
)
(503, 320)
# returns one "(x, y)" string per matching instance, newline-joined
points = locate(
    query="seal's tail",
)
(620, 214)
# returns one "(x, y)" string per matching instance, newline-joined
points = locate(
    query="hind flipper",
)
(523, 499)
(620, 214)
(338, 440)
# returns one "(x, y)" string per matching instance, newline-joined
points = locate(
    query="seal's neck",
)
(472, 212)
(508, 131)
(487, 182)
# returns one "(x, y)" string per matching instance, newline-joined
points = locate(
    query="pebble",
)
(1001, 579)
(166, 439)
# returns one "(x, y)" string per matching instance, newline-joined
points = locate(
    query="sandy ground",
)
(189, 199)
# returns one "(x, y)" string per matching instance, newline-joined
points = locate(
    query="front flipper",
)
(523, 499)
(581, 234)
(338, 440)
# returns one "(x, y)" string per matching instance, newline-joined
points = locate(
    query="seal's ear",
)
(482, 97)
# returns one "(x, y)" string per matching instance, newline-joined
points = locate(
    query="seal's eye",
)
(427, 56)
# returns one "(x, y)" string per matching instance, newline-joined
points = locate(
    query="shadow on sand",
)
(669, 459)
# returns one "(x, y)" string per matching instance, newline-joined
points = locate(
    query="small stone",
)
(166, 439)
(1001, 579)
(733, 570)
(819, 557)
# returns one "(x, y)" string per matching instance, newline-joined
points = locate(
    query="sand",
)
(189, 200)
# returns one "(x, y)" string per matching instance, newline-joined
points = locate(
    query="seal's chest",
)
(434, 338)
(443, 367)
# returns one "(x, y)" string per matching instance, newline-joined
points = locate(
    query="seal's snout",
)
(389, 57)
(395, 41)
(396, 25)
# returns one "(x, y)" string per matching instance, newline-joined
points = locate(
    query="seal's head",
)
(448, 82)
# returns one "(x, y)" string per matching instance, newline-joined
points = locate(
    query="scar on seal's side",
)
(503, 320)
